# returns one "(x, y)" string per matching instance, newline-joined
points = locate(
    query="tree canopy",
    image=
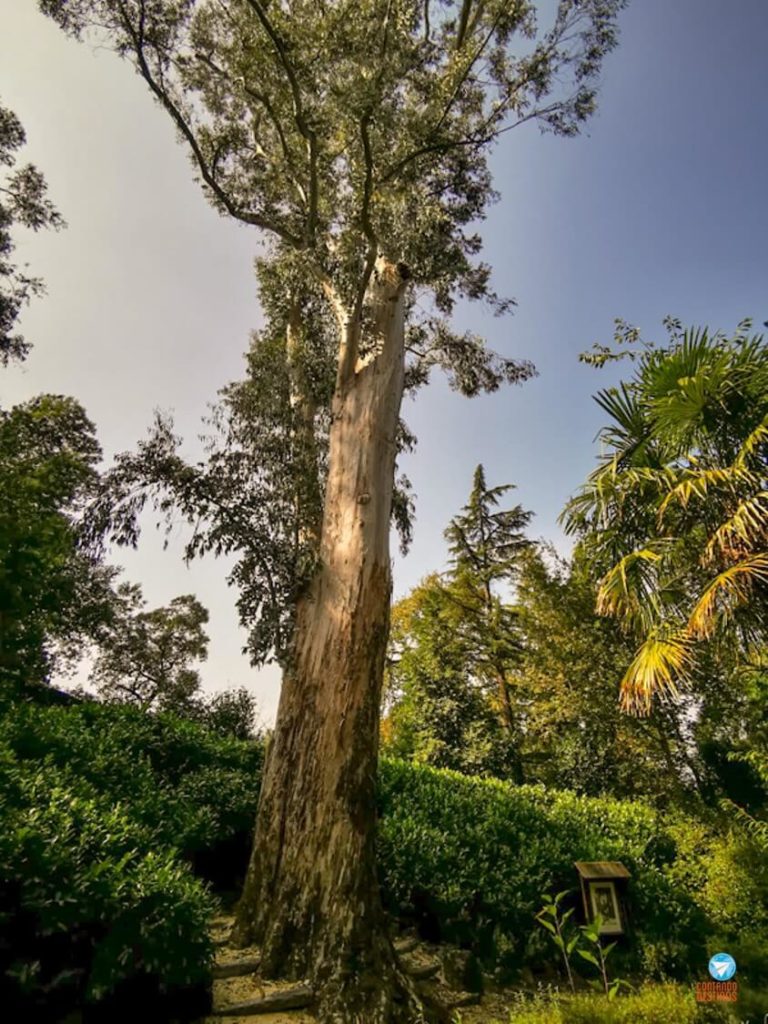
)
(455, 644)
(54, 590)
(348, 130)
(674, 516)
(341, 137)
(146, 657)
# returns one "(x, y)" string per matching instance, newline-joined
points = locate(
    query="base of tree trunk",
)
(367, 986)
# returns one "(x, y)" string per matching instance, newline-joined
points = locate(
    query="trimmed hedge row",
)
(470, 858)
(105, 813)
(109, 813)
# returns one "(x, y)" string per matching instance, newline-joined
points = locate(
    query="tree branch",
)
(267, 104)
(248, 217)
(298, 109)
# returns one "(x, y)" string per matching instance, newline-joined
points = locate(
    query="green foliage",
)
(576, 735)
(663, 1004)
(554, 919)
(53, 590)
(474, 855)
(145, 657)
(729, 873)
(228, 713)
(652, 1004)
(454, 645)
(674, 517)
(23, 202)
(193, 788)
(439, 712)
(106, 809)
(596, 953)
(342, 138)
(74, 864)
(466, 858)
(346, 137)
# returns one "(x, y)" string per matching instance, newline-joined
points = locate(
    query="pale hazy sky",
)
(660, 208)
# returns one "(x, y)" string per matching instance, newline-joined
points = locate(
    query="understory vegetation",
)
(124, 831)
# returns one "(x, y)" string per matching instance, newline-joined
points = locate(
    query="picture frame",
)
(604, 901)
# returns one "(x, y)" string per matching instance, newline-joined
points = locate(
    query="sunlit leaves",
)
(335, 127)
(660, 663)
(682, 485)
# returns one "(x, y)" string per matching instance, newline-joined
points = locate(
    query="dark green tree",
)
(485, 544)
(54, 591)
(24, 203)
(230, 712)
(357, 138)
(146, 658)
(455, 647)
(437, 710)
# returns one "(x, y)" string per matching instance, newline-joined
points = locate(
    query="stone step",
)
(421, 971)
(236, 968)
(406, 944)
(298, 998)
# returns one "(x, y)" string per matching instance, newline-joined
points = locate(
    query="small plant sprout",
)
(554, 920)
(598, 954)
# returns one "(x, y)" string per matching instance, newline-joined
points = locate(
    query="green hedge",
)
(105, 814)
(193, 788)
(109, 813)
(470, 859)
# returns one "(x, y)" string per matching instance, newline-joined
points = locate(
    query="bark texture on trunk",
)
(311, 898)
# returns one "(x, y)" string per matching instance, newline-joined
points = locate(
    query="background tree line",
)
(662, 601)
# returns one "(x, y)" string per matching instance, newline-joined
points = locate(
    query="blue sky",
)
(660, 207)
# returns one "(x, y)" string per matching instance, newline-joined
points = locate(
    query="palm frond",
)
(660, 663)
(726, 592)
(748, 525)
(698, 483)
(752, 442)
(627, 590)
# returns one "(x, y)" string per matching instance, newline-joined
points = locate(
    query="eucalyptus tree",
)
(355, 136)
(675, 516)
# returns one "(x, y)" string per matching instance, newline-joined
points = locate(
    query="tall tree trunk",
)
(311, 898)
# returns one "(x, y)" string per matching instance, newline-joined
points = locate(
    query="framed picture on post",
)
(605, 903)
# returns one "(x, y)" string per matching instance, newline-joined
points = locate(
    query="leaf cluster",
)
(674, 516)
(24, 203)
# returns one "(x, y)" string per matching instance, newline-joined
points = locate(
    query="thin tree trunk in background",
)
(308, 512)
(311, 898)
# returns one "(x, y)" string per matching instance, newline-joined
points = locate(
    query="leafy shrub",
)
(469, 857)
(89, 902)
(87, 785)
(105, 810)
(196, 790)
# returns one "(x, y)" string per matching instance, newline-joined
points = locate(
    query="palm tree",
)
(675, 516)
